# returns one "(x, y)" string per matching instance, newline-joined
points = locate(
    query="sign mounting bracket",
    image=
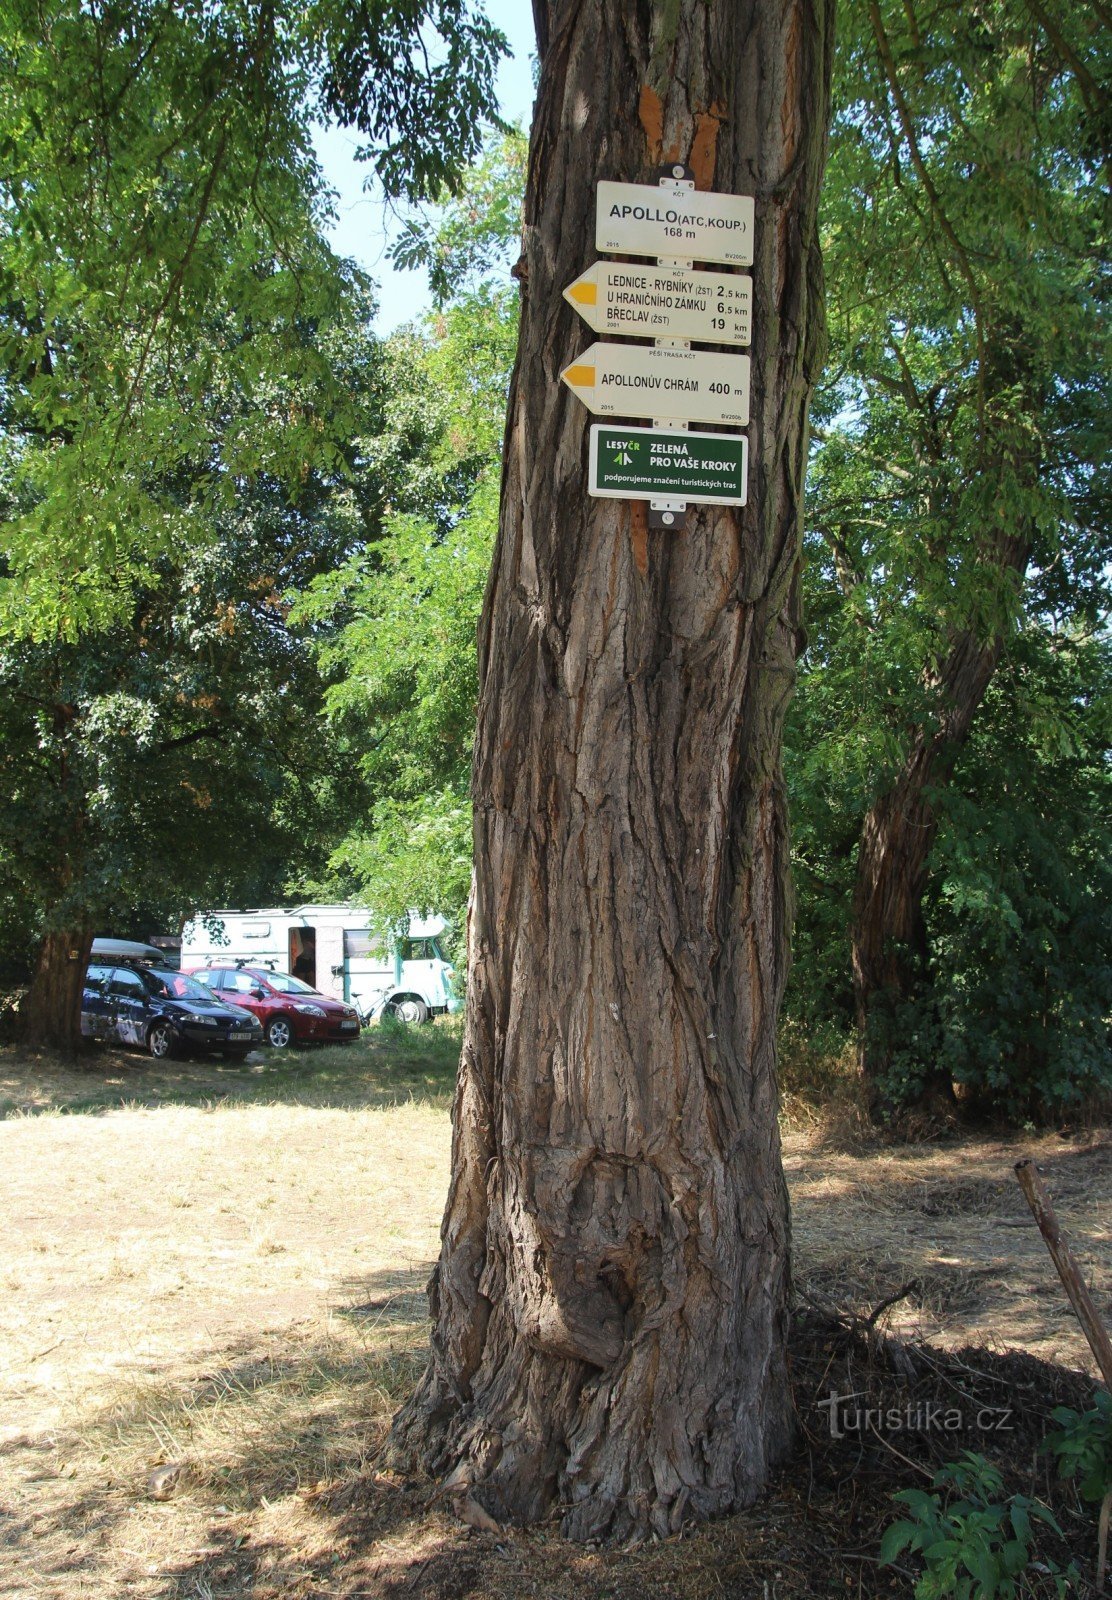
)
(669, 514)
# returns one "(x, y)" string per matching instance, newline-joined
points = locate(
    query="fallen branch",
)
(881, 1346)
(1074, 1284)
(891, 1300)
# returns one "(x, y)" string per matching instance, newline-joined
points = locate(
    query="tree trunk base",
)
(556, 1437)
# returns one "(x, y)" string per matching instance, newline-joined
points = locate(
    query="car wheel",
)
(408, 1008)
(279, 1034)
(160, 1039)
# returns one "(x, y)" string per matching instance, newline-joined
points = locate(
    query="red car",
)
(288, 1009)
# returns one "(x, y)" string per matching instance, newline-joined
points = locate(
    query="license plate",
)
(349, 1025)
(239, 1036)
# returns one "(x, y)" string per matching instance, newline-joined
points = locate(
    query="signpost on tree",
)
(610, 1305)
(650, 463)
(676, 305)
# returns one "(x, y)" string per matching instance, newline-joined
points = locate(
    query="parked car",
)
(338, 950)
(288, 1009)
(163, 1011)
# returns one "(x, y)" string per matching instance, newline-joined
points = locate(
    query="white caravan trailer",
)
(335, 950)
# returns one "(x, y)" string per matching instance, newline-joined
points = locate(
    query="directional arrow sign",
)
(663, 302)
(655, 463)
(641, 219)
(623, 380)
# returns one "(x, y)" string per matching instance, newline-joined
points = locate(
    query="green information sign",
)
(668, 464)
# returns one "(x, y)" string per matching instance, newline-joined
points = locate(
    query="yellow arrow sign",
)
(636, 301)
(622, 380)
(583, 292)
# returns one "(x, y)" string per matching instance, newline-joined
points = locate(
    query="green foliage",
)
(395, 626)
(179, 756)
(1083, 1446)
(974, 1545)
(417, 77)
(188, 410)
(1021, 949)
(957, 525)
(462, 244)
(404, 665)
(161, 260)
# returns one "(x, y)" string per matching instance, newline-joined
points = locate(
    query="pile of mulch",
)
(818, 1531)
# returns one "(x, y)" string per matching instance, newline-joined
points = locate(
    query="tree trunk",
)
(889, 933)
(610, 1304)
(50, 1017)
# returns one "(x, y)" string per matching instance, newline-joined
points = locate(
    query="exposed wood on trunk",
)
(610, 1305)
(1073, 1283)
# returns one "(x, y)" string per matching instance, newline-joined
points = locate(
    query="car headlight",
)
(204, 1022)
(310, 1011)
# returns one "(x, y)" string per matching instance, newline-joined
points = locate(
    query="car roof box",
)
(128, 950)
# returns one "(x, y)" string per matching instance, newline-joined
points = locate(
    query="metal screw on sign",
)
(675, 172)
(663, 517)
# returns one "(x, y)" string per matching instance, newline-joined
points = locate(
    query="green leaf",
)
(897, 1537)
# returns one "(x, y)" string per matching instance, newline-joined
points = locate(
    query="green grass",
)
(389, 1064)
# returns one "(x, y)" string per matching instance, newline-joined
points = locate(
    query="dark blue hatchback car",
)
(163, 1011)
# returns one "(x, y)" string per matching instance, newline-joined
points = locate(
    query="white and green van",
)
(336, 950)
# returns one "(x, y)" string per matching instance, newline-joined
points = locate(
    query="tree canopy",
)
(161, 255)
(957, 503)
(395, 625)
(185, 381)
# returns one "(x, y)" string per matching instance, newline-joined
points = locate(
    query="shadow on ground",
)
(284, 1495)
(269, 1441)
(388, 1065)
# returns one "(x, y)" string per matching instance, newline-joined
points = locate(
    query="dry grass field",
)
(219, 1272)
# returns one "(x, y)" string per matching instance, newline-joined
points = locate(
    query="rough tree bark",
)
(610, 1304)
(50, 1016)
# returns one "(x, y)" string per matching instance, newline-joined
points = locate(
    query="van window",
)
(255, 930)
(419, 950)
(360, 944)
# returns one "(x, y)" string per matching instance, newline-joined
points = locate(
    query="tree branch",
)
(907, 123)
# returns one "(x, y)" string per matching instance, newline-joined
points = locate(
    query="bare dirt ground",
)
(221, 1272)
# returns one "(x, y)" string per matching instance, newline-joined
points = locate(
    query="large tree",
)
(610, 1304)
(178, 757)
(959, 480)
(165, 298)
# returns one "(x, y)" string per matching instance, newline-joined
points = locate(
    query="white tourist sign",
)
(624, 380)
(663, 302)
(643, 219)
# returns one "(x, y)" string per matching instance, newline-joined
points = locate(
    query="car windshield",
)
(286, 984)
(176, 986)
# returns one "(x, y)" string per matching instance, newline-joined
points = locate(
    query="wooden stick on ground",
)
(1068, 1270)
